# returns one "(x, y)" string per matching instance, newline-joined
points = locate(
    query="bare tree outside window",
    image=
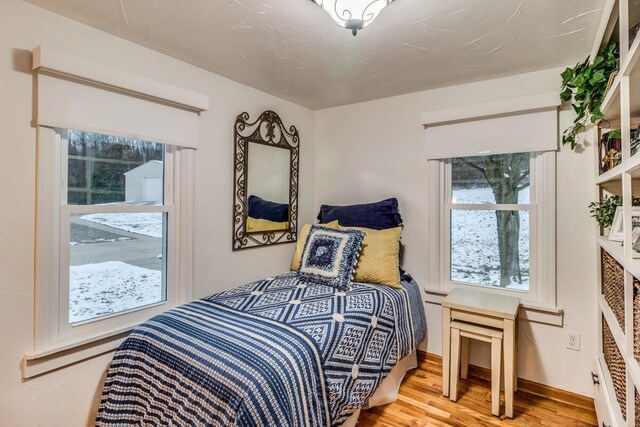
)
(498, 252)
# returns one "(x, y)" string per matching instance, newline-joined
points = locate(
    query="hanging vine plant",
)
(585, 85)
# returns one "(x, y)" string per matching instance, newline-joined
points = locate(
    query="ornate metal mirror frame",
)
(267, 130)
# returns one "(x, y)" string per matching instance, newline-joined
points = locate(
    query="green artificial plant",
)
(615, 134)
(585, 86)
(604, 210)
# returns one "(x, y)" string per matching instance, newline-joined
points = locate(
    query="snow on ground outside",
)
(145, 223)
(474, 241)
(111, 287)
(114, 286)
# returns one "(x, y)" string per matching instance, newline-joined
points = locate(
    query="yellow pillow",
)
(302, 239)
(379, 260)
(256, 224)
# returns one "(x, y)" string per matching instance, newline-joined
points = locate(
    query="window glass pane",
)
(117, 263)
(490, 247)
(502, 179)
(110, 169)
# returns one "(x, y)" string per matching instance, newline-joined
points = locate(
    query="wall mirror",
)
(265, 190)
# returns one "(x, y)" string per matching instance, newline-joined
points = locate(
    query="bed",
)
(280, 352)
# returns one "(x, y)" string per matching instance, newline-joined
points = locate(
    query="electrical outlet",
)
(573, 341)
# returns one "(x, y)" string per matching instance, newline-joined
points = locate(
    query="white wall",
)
(362, 152)
(371, 150)
(66, 397)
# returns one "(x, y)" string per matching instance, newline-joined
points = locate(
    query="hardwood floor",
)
(420, 403)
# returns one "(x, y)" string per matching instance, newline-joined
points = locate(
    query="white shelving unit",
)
(621, 108)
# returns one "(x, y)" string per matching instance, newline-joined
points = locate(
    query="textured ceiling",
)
(292, 49)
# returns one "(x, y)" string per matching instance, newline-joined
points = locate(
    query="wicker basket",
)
(616, 366)
(636, 321)
(613, 286)
(637, 409)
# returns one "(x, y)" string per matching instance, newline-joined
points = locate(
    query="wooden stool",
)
(484, 309)
(461, 330)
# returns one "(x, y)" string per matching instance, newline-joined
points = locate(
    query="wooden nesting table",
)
(484, 309)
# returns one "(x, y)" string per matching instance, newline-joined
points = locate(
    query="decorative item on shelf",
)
(636, 242)
(608, 214)
(635, 235)
(633, 32)
(610, 148)
(603, 166)
(617, 231)
(604, 210)
(585, 85)
(635, 141)
(610, 159)
(353, 15)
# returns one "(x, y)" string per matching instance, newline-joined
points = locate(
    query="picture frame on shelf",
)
(617, 232)
(635, 238)
(635, 141)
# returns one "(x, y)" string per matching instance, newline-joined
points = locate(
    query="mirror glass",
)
(267, 188)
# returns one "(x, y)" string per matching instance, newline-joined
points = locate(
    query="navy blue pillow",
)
(378, 216)
(264, 209)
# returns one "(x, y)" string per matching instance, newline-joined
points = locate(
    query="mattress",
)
(279, 351)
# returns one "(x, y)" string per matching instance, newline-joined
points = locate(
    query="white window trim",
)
(539, 304)
(57, 343)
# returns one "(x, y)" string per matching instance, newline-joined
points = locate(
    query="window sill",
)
(530, 312)
(42, 361)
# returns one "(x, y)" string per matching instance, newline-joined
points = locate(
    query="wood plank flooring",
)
(420, 403)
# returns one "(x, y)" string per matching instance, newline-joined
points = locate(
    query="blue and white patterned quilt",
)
(277, 352)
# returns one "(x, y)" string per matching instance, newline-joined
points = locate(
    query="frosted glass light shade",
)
(353, 15)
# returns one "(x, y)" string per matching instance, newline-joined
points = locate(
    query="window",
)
(110, 228)
(489, 212)
(116, 259)
(494, 225)
(114, 204)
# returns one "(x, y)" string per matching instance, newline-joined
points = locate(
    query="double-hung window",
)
(489, 215)
(492, 201)
(114, 195)
(495, 225)
(110, 232)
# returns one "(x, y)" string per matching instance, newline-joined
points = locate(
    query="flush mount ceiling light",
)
(353, 15)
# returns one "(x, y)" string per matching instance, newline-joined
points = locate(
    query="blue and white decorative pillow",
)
(330, 256)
